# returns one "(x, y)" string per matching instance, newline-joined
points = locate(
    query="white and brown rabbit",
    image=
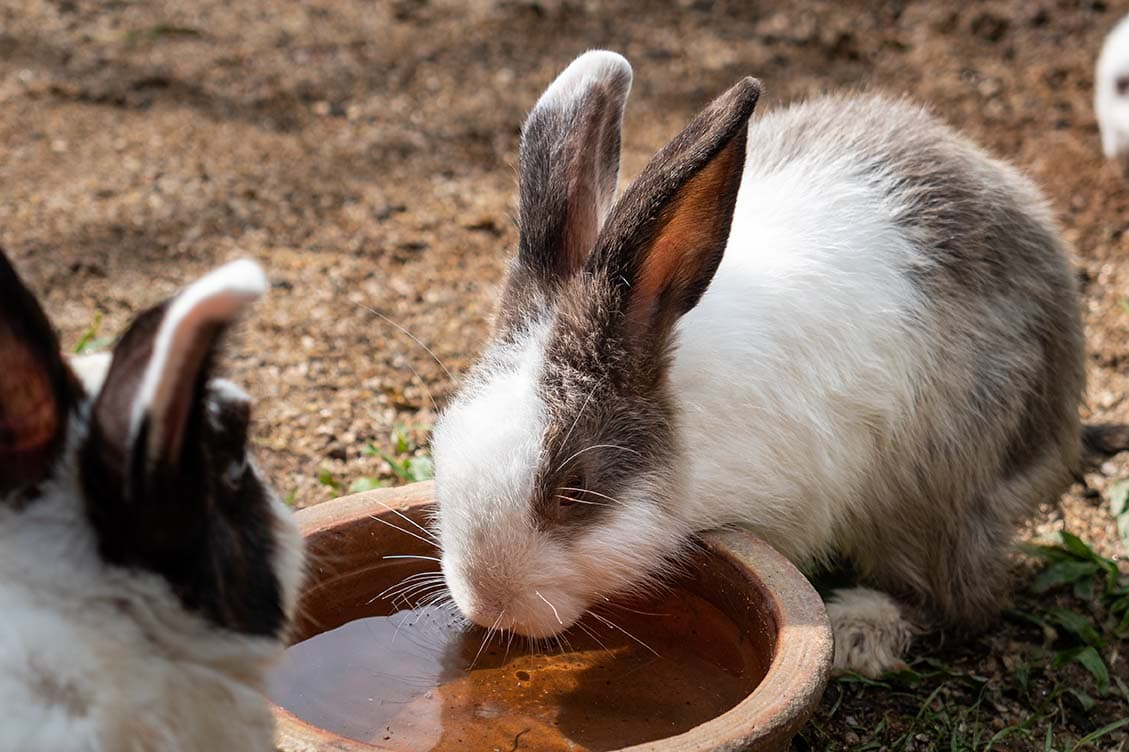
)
(147, 571)
(840, 325)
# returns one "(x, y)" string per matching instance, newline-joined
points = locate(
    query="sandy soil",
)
(365, 151)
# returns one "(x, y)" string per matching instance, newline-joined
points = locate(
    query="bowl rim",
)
(772, 713)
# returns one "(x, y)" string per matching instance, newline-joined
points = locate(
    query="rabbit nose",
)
(485, 614)
(481, 605)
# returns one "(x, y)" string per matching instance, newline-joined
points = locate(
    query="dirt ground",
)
(365, 153)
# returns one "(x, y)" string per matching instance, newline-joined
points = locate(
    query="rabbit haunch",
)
(147, 572)
(884, 365)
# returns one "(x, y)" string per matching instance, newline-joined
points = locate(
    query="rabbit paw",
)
(872, 636)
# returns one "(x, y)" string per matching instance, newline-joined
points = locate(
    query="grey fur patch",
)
(55, 693)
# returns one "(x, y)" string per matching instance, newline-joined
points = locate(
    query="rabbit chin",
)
(546, 613)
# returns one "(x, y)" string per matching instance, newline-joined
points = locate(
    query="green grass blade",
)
(1109, 728)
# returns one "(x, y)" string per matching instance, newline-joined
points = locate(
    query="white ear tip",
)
(603, 60)
(217, 296)
(591, 68)
(242, 276)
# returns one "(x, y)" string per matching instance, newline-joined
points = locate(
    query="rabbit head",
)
(557, 462)
(148, 573)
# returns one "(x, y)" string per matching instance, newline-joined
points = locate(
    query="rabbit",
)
(148, 573)
(1111, 93)
(841, 326)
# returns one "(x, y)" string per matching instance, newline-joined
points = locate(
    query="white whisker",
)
(594, 493)
(420, 576)
(413, 337)
(597, 446)
(580, 412)
(486, 639)
(417, 593)
(613, 625)
(402, 594)
(402, 530)
(591, 633)
(403, 621)
(550, 605)
(426, 389)
(409, 520)
(582, 501)
(634, 610)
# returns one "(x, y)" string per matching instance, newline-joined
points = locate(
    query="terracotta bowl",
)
(740, 575)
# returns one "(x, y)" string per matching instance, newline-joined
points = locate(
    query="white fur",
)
(811, 299)
(1112, 108)
(91, 369)
(485, 454)
(214, 298)
(95, 658)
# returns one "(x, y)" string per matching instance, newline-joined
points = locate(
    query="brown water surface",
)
(414, 680)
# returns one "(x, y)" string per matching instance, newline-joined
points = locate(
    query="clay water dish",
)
(735, 657)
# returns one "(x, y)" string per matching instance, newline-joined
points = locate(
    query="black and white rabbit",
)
(148, 573)
(840, 325)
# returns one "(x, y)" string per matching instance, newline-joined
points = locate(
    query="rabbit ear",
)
(152, 396)
(569, 164)
(37, 389)
(666, 236)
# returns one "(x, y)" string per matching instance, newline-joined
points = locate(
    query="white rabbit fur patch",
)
(1111, 91)
(761, 337)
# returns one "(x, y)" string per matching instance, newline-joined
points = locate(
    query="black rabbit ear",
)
(569, 165)
(152, 398)
(37, 389)
(168, 484)
(667, 234)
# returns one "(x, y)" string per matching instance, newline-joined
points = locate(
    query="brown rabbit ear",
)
(569, 165)
(37, 389)
(668, 232)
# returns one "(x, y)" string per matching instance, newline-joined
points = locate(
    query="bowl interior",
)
(381, 673)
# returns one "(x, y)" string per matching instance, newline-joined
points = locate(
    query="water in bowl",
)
(416, 680)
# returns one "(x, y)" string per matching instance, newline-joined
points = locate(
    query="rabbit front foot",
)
(872, 635)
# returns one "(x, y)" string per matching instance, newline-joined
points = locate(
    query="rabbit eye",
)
(1122, 85)
(571, 492)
